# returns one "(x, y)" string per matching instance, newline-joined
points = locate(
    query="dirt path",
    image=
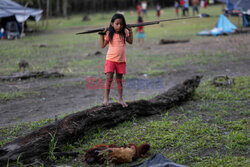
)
(50, 97)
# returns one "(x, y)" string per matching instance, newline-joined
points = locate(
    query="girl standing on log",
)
(116, 36)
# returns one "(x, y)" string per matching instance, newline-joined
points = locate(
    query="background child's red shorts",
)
(117, 67)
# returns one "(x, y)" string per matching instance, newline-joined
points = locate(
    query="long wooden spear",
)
(136, 25)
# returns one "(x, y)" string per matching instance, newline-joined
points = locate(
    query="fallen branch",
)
(28, 75)
(76, 125)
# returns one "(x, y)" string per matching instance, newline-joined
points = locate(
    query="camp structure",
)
(13, 15)
(234, 7)
(242, 5)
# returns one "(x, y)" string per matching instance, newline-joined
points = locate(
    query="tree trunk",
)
(26, 5)
(65, 7)
(73, 126)
(39, 4)
(58, 4)
(47, 13)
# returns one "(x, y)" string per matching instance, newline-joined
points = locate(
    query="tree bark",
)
(47, 13)
(76, 125)
(65, 7)
(58, 4)
(39, 4)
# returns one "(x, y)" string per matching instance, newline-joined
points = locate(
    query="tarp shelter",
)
(242, 5)
(223, 26)
(10, 8)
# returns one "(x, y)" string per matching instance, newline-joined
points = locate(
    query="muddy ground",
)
(57, 96)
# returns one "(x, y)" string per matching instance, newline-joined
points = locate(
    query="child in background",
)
(158, 11)
(140, 35)
(186, 8)
(1, 33)
(176, 6)
(144, 8)
(116, 37)
(138, 9)
(195, 4)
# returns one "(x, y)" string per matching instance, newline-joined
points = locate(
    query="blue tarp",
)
(223, 26)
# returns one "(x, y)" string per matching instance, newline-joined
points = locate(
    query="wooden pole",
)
(136, 25)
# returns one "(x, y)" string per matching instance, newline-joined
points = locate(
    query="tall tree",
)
(58, 5)
(39, 4)
(65, 7)
(47, 13)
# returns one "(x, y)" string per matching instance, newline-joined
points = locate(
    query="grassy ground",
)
(68, 53)
(212, 129)
(209, 130)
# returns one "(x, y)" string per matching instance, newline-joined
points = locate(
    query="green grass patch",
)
(10, 133)
(236, 92)
(66, 52)
(16, 94)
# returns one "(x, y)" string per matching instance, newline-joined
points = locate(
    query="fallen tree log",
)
(28, 75)
(169, 41)
(30, 147)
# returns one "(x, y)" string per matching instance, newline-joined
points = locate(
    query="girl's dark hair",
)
(111, 28)
(140, 20)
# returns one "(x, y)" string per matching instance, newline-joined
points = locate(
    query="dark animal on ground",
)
(85, 18)
(115, 154)
(23, 64)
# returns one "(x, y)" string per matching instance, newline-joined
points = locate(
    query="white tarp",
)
(11, 8)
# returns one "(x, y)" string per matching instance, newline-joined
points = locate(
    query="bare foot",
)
(105, 103)
(123, 103)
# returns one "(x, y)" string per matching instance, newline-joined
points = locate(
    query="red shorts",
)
(118, 67)
(158, 13)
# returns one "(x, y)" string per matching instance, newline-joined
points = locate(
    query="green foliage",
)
(16, 94)
(12, 132)
(11, 95)
(236, 92)
(52, 146)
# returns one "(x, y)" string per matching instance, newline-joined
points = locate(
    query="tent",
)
(223, 26)
(10, 8)
(242, 5)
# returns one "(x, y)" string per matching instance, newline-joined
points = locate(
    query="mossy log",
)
(29, 147)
